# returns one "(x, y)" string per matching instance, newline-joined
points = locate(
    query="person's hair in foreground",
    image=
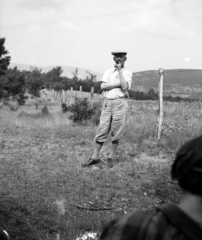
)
(187, 167)
(176, 222)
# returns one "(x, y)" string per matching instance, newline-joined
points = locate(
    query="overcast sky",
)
(83, 33)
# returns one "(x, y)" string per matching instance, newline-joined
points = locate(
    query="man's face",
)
(120, 58)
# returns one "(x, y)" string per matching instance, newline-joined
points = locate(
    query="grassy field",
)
(45, 194)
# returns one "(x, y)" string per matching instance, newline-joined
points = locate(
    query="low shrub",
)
(81, 110)
(21, 99)
(64, 107)
(13, 108)
(45, 111)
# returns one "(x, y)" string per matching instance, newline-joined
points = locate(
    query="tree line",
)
(15, 83)
(153, 95)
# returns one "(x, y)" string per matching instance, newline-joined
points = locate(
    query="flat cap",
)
(119, 52)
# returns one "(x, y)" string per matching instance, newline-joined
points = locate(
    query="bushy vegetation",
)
(45, 111)
(21, 99)
(153, 95)
(15, 82)
(81, 110)
(138, 95)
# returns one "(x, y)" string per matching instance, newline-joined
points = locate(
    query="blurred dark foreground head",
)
(187, 167)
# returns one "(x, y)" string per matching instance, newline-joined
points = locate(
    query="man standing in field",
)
(114, 85)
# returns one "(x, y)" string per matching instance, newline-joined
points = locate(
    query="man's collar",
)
(116, 69)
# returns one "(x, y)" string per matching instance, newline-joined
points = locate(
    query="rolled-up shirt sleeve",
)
(105, 77)
(128, 78)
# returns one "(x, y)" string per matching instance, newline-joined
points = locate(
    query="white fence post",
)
(71, 96)
(160, 118)
(80, 89)
(63, 96)
(92, 94)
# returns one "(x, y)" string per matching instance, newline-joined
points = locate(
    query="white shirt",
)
(112, 75)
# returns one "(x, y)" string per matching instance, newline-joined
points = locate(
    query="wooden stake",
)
(92, 94)
(63, 96)
(80, 89)
(71, 96)
(160, 118)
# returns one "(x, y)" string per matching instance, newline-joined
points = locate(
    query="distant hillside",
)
(67, 70)
(175, 81)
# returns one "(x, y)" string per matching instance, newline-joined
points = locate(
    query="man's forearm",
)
(123, 83)
(109, 86)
